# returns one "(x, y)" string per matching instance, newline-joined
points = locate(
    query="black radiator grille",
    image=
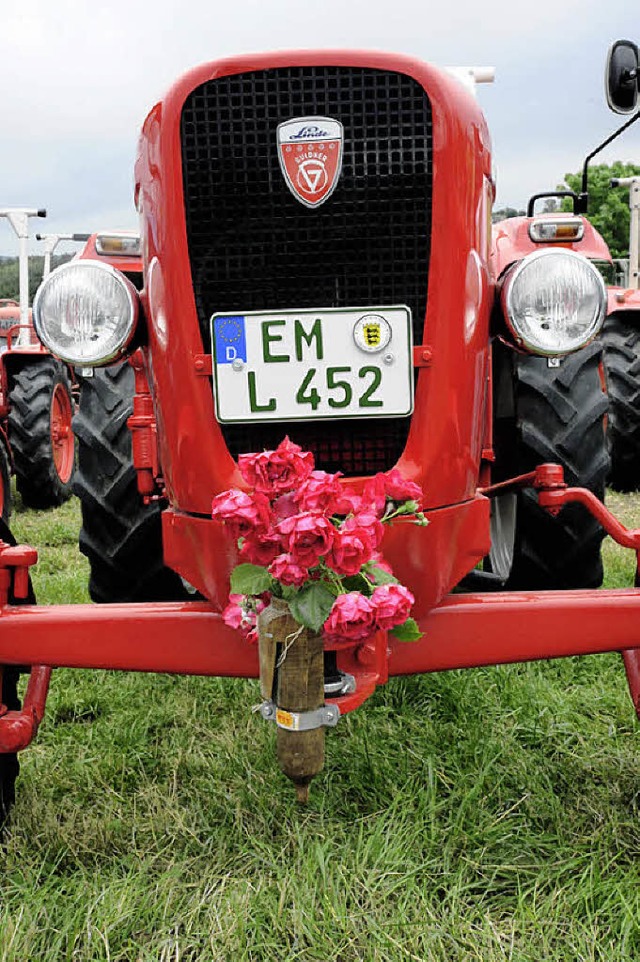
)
(253, 246)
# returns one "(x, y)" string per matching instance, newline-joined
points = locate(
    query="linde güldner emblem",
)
(310, 153)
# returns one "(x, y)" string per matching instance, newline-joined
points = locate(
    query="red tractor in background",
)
(288, 202)
(36, 399)
(120, 534)
(555, 411)
(98, 486)
(620, 338)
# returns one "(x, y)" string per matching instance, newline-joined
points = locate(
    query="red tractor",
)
(620, 339)
(120, 535)
(318, 264)
(36, 401)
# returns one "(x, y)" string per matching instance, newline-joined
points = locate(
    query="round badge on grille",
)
(372, 333)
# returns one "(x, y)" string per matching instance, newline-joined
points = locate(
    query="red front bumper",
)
(463, 631)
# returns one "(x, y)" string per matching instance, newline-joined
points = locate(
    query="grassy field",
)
(486, 815)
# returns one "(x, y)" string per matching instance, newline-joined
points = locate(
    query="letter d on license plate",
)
(299, 365)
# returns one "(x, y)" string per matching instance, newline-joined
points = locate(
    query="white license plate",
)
(301, 365)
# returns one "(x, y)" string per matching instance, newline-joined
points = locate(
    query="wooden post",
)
(292, 675)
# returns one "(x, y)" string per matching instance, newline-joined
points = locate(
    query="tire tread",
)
(120, 536)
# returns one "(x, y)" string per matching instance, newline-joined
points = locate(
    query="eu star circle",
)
(230, 329)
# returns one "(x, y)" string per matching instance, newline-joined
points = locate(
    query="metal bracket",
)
(345, 686)
(203, 364)
(300, 721)
(422, 355)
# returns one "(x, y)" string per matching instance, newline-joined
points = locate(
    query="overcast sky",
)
(77, 79)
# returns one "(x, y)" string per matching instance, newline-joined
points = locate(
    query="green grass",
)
(620, 565)
(490, 814)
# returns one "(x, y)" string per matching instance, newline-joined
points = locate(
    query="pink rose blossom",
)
(261, 549)
(323, 493)
(285, 570)
(374, 496)
(242, 613)
(351, 619)
(399, 489)
(392, 605)
(242, 512)
(279, 471)
(350, 503)
(368, 523)
(350, 551)
(233, 614)
(380, 562)
(390, 485)
(285, 506)
(308, 537)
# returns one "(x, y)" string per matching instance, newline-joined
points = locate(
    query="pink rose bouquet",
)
(304, 538)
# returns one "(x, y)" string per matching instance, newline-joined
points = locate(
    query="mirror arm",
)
(583, 197)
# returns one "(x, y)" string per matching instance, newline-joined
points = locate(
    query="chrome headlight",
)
(85, 312)
(554, 302)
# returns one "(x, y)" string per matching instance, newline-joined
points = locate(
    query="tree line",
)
(10, 274)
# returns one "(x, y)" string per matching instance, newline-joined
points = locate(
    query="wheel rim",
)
(503, 534)
(62, 441)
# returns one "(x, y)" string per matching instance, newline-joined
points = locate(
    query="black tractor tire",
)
(621, 342)
(560, 417)
(5, 483)
(120, 535)
(42, 444)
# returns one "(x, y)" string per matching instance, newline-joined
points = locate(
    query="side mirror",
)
(621, 76)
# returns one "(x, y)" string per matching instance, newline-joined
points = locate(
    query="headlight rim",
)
(506, 293)
(133, 300)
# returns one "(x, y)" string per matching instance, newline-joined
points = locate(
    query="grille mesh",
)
(253, 246)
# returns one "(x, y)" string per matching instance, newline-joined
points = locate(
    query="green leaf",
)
(247, 579)
(407, 507)
(356, 583)
(379, 575)
(407, 631)
(288, 592)
(312, 605)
